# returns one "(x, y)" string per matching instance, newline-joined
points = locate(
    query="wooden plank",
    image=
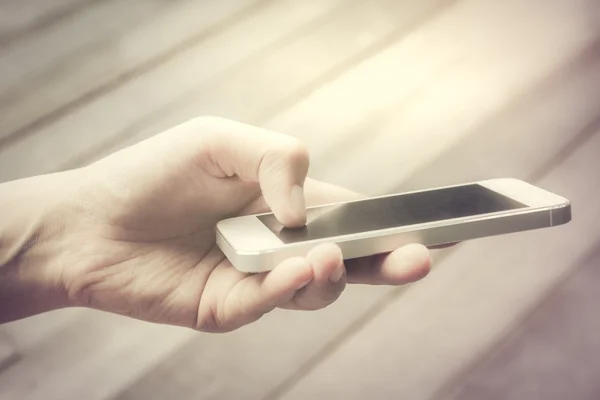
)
(147, 34)
(204, 365)
(473, 297)
(549, 118)
(36, 53)
(20, 17)
(222, 96)
(407, 117)
(88, 125)
(99, 352)
(553, 353)
(436, 52)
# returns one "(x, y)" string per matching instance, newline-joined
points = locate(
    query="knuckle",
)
(290, 150)
(298, 151)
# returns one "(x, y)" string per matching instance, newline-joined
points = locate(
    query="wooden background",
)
(389, 95)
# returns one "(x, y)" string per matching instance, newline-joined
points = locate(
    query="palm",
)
(181, 277)
(146, 218)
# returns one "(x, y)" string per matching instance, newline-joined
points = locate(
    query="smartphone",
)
(437, 216)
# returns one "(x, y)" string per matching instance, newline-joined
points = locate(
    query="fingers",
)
(404, 265)
(328, 279)
(316, 281)
(258, 294)
(308, 283)
(279, 163)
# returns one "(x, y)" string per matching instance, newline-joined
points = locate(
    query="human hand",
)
(137, 236)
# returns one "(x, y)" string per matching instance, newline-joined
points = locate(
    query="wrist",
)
(32, 243)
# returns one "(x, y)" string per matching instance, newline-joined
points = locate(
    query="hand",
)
(138, 234)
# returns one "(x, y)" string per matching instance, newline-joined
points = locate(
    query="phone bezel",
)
(247, 235)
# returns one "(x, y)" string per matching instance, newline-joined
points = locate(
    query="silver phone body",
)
(252, 247)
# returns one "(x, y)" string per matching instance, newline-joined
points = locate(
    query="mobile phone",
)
(437, 216)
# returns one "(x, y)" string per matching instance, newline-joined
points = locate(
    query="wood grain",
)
(147, 34)
(343, 44)
(100, 353)
(145, 96)
(39, 52)
(432, 88)
(340, 40)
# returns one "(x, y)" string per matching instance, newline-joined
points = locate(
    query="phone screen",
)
(393, 211)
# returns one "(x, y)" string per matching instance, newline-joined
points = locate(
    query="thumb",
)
(278, 163)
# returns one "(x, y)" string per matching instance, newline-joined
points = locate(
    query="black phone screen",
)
(393, 211)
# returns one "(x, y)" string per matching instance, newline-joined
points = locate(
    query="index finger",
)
(277, 162)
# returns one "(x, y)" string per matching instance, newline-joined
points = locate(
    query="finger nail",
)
(298, 203)
(337, 274)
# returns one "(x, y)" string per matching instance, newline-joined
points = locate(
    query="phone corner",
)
(219, 226)
(561, 214)
(249, 262)
(246, 261)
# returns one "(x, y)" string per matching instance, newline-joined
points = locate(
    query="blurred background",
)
(389, 95)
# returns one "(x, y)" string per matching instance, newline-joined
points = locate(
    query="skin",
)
(134, 233)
